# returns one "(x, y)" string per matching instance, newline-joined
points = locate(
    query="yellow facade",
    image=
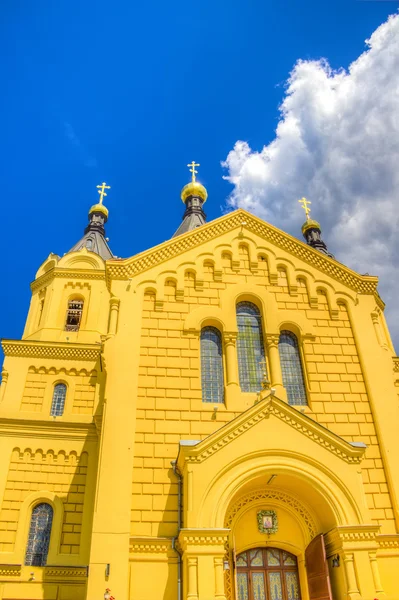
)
(134, 424)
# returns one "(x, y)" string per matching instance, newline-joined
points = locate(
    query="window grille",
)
(74, 315)
(250, 348)
(212, 379)
(58, 403)
(291, 368)
(39, 535)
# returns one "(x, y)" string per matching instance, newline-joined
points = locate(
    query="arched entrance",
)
(267, 574)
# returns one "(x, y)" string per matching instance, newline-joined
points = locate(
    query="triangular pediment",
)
(240, 219)
(271, 406)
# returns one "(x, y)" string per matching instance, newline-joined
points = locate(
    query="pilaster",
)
(203, 553)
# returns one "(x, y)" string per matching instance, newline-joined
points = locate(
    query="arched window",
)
(212, 379)
(39, 535)
(74, 315)
(58, 403)
(291, 368)
(89, 244)
(250, 348)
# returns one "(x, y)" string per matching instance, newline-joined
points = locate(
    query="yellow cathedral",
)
(215, 418)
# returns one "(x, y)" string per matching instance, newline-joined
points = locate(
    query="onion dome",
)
(94, 239)
(194, 196)
(311, 230)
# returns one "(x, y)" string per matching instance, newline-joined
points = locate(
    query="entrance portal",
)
(267, 574)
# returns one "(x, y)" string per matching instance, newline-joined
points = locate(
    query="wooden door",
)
(267, 574)
(317, 570)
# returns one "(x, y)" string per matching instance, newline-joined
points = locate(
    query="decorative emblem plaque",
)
(267, 521)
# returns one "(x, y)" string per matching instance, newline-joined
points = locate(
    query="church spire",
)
(311, 230)
(94, 234)
(194, 196)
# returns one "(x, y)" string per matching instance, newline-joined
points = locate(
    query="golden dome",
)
(310, 224)
(194, 188)
(99, 208)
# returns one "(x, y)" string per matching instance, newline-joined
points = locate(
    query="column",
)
(232, 384)
(353, 590)
(376, 573)
(276, 377)
(113, 315)
(4, 379)
(219, 578)
(192, 579)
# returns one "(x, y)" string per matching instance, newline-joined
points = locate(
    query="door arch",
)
(267, 574)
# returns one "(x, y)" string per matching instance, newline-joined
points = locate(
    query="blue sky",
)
(129, 93)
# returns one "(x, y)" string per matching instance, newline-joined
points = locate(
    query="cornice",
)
(271, 405)
(81, 572)
(52, 350)
(45, 279)
(203, 537)
(352, 537)
(125, 269)
(40, 429)
(145, 545)
(10, 570)
(388, 542)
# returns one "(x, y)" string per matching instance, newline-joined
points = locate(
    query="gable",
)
(267, 412)
(246, 223)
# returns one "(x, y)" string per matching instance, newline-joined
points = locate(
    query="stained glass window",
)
(250, 348)
(212, 379)
(58, 403)
(39, 535)
(291, 368)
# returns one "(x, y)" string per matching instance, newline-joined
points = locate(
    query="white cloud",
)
(337, 143)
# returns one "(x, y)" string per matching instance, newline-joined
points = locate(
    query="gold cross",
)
(101, 191)
(304, 203)
(192, 170)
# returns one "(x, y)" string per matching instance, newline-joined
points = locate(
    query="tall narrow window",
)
(212, 380)
(74, 315)
(39, 535)
(250, 348)
(58, 403)
(291, 368)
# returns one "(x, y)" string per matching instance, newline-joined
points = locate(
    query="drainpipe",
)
(174, 540)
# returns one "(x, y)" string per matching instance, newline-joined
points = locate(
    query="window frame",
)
(223, 366)
(298, 337)
(263, 345)
(54, 385)
(71, 300)
(34, 506)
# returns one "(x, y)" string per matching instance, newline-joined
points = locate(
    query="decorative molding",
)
(124, 269)
(203, 537)
(396, 364)
(352, 537)
(143, 545)
(51, 429)
(54, 350)
(56, 571)
(272, 340)
(271, 405)
(10, 570)
(389, 542)
(45, 279)
(272, 495)
(70, 372)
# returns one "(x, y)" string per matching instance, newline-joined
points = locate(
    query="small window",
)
(212, 379)
(74, 315)
(58, 403)
(250, 348)
(291, 368)
(39, 535)
(89, 244)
